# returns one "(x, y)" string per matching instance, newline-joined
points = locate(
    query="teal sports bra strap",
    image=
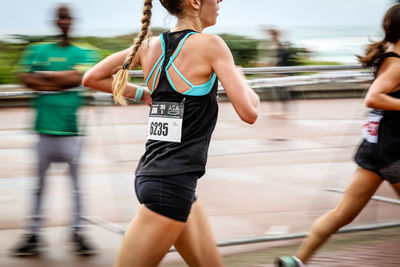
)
(161, 58)
(195, 90)
(180, 47)
(171, 62)
(202, 89)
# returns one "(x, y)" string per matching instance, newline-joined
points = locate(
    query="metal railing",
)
(341, 73)
(117, 229)
(288, 69)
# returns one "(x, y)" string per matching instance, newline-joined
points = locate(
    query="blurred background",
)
(331, 32)
(277, 175)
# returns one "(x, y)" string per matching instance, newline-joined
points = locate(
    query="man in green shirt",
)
(55, 69)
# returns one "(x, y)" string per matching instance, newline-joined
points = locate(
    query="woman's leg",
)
(148, 238)
(196, 243)
(361, 189)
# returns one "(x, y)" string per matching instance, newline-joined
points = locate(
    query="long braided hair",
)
(121, 78)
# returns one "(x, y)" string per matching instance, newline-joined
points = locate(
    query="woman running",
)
(181, 67)
(378, 156)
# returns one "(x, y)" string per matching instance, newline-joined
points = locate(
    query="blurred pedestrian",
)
(181, 67)
(281, 50)
(282, 57)
(55, 68)
(378, 156)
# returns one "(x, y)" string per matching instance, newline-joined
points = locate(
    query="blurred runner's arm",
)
(387, 82)
(65, 79)
(39, 82)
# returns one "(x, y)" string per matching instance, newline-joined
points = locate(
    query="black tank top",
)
(199, 119)
(390, 113)
(389, 126)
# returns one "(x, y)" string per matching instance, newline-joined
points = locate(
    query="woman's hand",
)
(146, 98)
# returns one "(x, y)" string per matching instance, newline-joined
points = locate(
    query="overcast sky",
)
(117, 14)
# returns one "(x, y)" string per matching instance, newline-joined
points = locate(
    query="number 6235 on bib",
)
(165, 122)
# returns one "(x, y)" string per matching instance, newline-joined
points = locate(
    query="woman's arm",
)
(387, 82)
(245, 101)
(100, 77)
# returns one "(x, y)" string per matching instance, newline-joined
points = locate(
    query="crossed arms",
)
(51, 80)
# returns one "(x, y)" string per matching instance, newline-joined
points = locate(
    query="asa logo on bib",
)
(173, 110)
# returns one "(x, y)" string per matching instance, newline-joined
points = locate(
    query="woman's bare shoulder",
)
(390, 65)
(150, 47)
(210, 44)
(211, 39)
(150, 42)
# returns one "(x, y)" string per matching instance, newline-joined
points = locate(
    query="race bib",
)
(370, 129)
(165, 121)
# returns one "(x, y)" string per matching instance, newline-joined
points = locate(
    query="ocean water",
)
(335, 43)
(327, 43)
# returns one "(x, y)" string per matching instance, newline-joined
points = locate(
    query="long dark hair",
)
(391, 26)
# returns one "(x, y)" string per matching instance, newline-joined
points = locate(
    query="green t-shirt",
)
(56, 112)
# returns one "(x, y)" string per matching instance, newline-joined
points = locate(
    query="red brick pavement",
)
(255, 165)
(385, 253)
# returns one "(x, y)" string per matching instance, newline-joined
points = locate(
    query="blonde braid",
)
(121, 78)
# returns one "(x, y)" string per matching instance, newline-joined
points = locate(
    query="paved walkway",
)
(372, 248)
(273, 177)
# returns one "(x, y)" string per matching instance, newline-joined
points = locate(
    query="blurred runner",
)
(282, 57)
(378, 156)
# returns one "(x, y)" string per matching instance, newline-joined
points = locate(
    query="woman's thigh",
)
(362, 187)
(147, 239)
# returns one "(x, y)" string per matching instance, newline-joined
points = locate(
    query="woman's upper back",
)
(189, 57)
(200, 57)
(189, 120)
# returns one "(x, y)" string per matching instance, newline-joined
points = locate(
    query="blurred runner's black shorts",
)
(368, 157)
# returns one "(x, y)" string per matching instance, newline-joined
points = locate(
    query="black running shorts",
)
(170, 196)
(368, 157)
